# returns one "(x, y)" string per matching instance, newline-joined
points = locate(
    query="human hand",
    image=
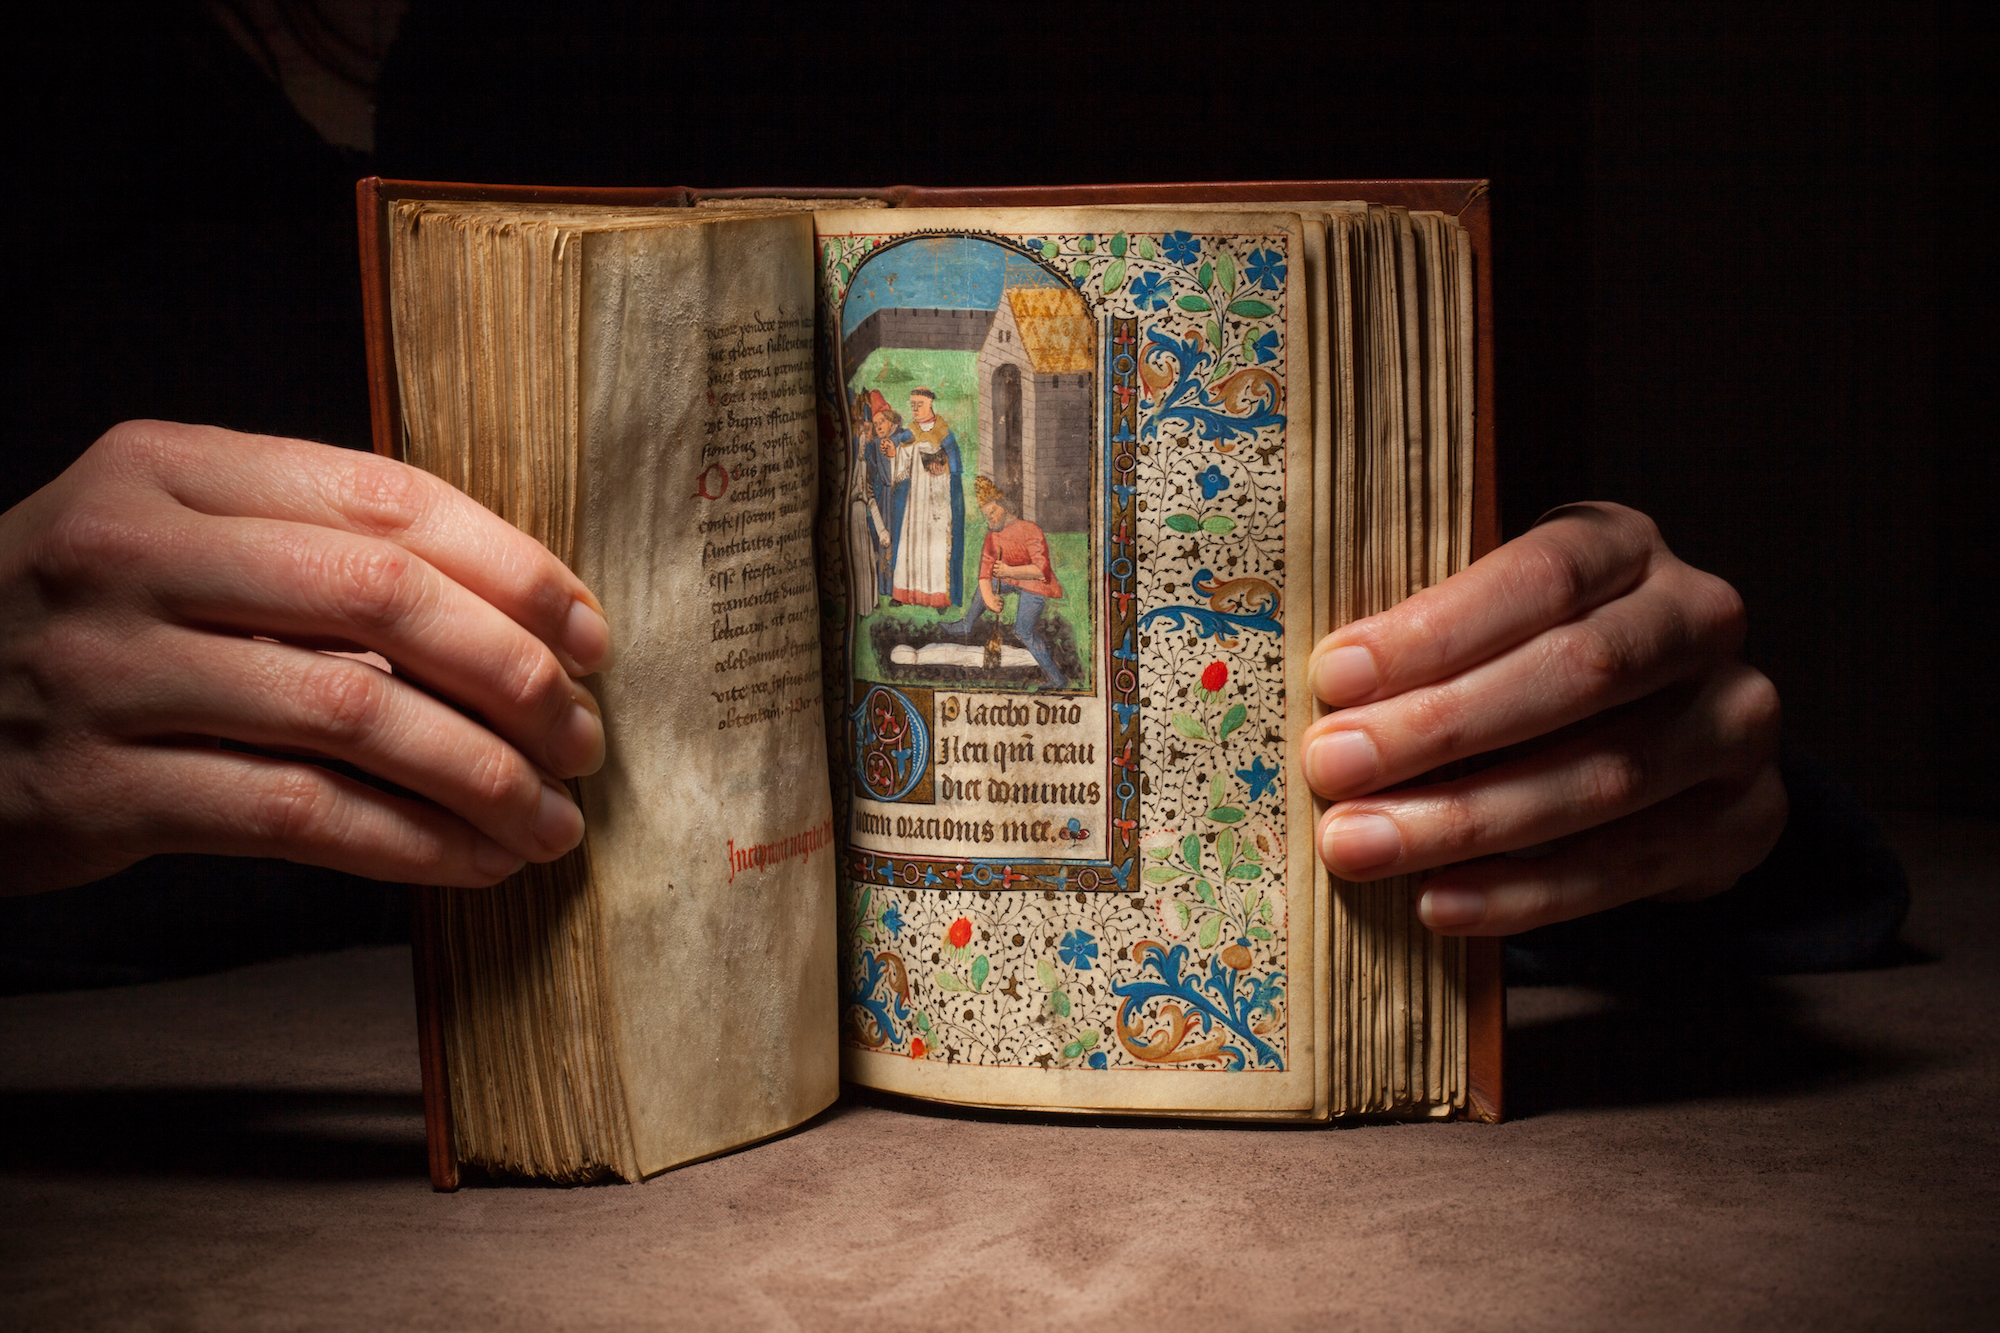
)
(991, 598)
(1634, 753)
(139, 596)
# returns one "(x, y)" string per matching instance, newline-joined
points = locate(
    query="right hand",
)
(176, 587)
(991, 598)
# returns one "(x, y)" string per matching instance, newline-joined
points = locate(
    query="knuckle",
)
(1614, 779)
(382, 496)
(88, 542)
(1594, 659)
(1455, 829)
(497, 778)
(373, 583)
(1753, 715)
(1436, 720)
(295, 806)
(343, 703)
(533, 681)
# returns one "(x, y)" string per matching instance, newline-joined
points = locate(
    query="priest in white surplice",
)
(930, 548)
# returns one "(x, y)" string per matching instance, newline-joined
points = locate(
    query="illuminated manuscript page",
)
(1066, 543)
(711, 825)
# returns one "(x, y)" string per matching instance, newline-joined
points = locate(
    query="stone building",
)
(1035, 404)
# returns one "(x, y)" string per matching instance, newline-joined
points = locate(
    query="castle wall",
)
(929, 330)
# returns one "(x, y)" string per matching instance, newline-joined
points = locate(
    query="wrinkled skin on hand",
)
(183, 585)
(1620, 747)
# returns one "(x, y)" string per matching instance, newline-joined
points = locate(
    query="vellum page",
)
(1069, 539)
(710, 823)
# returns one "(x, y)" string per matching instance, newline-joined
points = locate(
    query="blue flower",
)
(1077, 949)
(1259, 775)
(1149, 292)
(1265, 346)
(1213, 483)
(1266, 268)
(893, 919)
(1097, 1060)
(1179, 247)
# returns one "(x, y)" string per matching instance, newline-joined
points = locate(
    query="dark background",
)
(1725, 293)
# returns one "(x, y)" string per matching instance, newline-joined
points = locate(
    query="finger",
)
(284, 580)
(263, 476)
(1696, 844)
(290, 698)
(1668, 628)
(1604, 772)
(1583, 556)
(250, 805)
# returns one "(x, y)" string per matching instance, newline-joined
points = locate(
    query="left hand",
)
(1634, 753)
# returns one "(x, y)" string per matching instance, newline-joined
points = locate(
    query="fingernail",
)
(586, 637)
(490, 858)
(576, 746)
(1447, 909)
(1341, 762)
(1353, 845)
(1345, 675)
(558, 823)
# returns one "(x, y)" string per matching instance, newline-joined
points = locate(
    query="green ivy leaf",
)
(1187, 726)
(1045, 973)
(1145, 247)
(1185, 912)
(1071, 1051)
(1088, 1038)
(1163, 874)
(924, 1022)
(1206, 892)
(1080, 269)
(1088, 244)
(1191, 851)
(1264, 909)
(1250, 904)
(865, 933)
(980, 967)
(1225, 264)
(1206, 274)
(1225, 849)
(1211, 931)
(867, 896)
(1183, 522)
(1248, 869)
(1215, 789)
(1250, 309)
(1232, 719)
(1059, 1001)
(946, 981)
(1214, 332)
(1194, 304)
(1218, 524)
(1225, 814)
(1259, 933)
(1050, 249)
(1159, 853)
(1114, 277)
(1118, 245)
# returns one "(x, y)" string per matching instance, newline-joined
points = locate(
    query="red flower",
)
(1215, 677)
(960, 933)
(917, 1048)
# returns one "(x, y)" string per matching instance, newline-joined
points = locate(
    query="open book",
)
(963, 552)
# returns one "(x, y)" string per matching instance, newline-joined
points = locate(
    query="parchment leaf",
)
(1225, 849)
(1226, 814)
(1218, 524)
(1264, 909)
(1146, 247)
(1059, 1001)
(1187, 726)
(1045, 973)
(1186, 913)
(1080, 269)
(1215, 789)
(1191, 851)
(1159, 853)
(1205, 275)
(1214, 333)
(980, 967)
(1114, 277)
(1225, 264)
(1183, 522)
(1071, 1051)
(1088, 1038)
(1163, 874)
(1118, 245)
(1050, 249)
(946, 981)
(1232, 719)
(924, 1022)
(1194, 304)
(1088, 244)
(1247, 869)
(1259, 933)
(1205, 891)
(1250, 309)
(1211, 931)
